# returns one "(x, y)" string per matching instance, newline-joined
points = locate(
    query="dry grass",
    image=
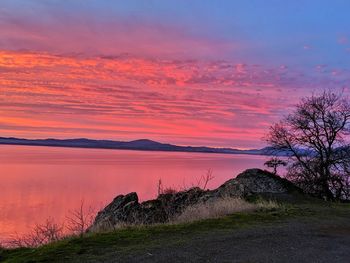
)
(220, 207)
(212, 209)
(107, 226)
(267, 205)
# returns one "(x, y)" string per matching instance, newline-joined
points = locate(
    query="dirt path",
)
(290, 241)
(305, 233)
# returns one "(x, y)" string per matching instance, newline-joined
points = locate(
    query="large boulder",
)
(126, 209)
(256, 182)
(123, 209)
(176, 203)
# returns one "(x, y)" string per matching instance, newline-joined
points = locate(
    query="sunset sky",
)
(188, 72)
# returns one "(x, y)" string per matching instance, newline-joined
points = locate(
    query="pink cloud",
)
(84, 35)
(127, 97)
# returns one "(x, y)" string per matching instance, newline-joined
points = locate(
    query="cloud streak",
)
(186, 73)
(127, 97)
(59, 32)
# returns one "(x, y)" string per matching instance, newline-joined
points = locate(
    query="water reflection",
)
(42, 182)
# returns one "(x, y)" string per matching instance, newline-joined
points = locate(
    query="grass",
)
(100, 246)
(221, 207)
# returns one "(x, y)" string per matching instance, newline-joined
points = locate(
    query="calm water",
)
(42, 182)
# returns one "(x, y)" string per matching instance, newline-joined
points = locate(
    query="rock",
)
(152, 212)
(253, 181)
(176, 203)
(123, 209)
(261, 181)
(127, 209)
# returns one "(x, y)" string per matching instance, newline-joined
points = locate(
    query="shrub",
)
(40, 234)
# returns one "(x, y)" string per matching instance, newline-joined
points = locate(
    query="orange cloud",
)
(127, 97)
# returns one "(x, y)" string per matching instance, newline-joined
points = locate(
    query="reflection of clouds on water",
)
(42, 182)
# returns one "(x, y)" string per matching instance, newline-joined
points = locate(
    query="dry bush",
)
(80, 219)
(165, 190)
(220, 207)
(169, 190)
(41, 234)
(204, 180)
(77, 223)
(159, 187)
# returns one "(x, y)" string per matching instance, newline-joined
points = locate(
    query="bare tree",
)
(274, 163)
(80, 219)
(315, 135)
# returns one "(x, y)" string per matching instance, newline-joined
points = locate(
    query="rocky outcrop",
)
(256, 182)
(126, 209)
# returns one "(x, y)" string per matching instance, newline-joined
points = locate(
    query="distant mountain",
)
(142, 144)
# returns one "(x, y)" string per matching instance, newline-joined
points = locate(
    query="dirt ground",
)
(309, 233)
(290, 241)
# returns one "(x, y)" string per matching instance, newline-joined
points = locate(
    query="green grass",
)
(135, 239)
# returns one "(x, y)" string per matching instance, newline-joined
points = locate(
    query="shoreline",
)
(132, 149)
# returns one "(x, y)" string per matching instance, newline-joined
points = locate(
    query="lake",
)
(47, 182)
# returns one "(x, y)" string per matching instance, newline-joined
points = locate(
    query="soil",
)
(290, 241)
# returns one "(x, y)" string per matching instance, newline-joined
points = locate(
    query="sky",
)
(199, 72)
